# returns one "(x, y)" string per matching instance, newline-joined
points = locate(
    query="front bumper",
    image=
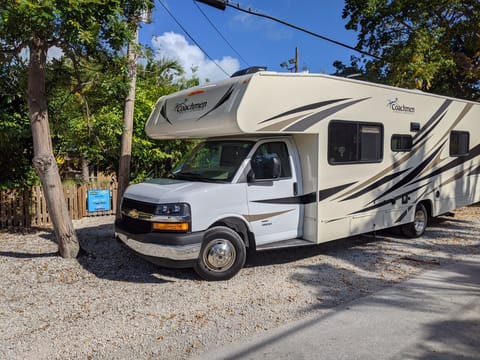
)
(165, 249)
(172, 252)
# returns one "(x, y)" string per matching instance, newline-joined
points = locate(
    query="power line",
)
(219, 33)
(222, 4)
(191, 38)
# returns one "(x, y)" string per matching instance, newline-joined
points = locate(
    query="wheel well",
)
(239, 227)
(428, 207)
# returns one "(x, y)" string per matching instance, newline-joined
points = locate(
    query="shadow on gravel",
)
(282, 256)
(18, 255)
(104, 257)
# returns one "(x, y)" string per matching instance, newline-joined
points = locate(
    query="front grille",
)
(129, 204)
(136, 226)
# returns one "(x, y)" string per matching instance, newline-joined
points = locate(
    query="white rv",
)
(298, 159)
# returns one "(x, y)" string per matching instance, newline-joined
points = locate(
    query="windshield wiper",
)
(189, 176)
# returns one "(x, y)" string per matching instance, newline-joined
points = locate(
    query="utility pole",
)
(296, 59)
(127, 132)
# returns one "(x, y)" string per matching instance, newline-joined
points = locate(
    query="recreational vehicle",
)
(289, 160)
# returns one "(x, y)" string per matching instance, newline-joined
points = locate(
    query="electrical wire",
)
(251, 12)
(219, 33)
(191, 38)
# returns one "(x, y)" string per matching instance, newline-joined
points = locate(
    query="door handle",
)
(295, 189)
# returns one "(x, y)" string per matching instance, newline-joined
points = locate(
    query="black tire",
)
(222, 255)
(417, 227)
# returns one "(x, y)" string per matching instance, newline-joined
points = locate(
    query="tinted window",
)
(401, 142)
(352, 142)
(459, 143)
(213, 161)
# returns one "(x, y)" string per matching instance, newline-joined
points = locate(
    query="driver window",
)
(262, 164)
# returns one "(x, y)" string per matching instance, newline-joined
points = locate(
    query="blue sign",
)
(99, 200)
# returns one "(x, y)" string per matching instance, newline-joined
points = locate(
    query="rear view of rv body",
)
(298, 159)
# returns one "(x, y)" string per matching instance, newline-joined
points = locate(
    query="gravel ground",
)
(110, 304)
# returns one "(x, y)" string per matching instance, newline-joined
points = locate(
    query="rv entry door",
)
(274, 211)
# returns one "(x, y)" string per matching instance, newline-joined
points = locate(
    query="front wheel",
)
(417, 227)
(222, 255)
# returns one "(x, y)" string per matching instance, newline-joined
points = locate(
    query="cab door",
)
(272, 189)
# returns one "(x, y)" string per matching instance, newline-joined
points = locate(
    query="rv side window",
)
(262, 160)
(459, 143)
(354, 142)
(401, 143)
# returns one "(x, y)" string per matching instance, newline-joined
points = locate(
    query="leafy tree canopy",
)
(433, 46)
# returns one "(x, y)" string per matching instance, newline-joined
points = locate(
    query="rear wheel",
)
(222, 255)
(419, 224)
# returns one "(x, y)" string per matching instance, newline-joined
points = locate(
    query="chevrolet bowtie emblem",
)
(133, 213)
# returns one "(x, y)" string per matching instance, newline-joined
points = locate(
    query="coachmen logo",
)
(400, 108)
(184, 107)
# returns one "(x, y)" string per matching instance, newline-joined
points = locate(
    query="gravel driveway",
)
(110, 304)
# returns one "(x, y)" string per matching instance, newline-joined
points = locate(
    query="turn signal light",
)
(170, 226)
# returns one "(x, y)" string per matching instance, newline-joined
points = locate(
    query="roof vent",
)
(249, 70)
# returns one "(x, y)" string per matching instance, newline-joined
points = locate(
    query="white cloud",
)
(54, 53)
(174, 46)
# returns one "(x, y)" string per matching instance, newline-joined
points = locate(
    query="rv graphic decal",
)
(326, 193)
(412, 174)
(464, 112)
(309, 121)
(258, 217)
(304, 108)
(375, 185)
(302, 199)
(163, 112)
(409, 179)
(473, 153)
(220, 102)
(390, 201)
(402, 216)
(475, 171)
(428, 128)
(432, 122)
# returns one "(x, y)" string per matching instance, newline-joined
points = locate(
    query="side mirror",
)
(267, 170)
(168, 165)
(250, 176)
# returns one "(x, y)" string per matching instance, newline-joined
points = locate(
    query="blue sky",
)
(256, 41)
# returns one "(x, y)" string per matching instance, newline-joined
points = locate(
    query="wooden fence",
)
(28, 208)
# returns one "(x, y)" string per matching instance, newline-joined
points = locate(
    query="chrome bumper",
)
(172, 252)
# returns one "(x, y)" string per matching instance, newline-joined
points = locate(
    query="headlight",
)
(179, 209)
(172, 217)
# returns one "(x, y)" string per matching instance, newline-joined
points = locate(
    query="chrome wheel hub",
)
(419, 221)
(219, 255)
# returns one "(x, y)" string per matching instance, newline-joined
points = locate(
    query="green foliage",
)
(149, 156)
(433, 46)
(86, 113)
(15, 136)
(86, 87)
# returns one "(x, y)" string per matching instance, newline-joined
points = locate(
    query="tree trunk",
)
(43, 160)
(126, 143)
(85, 169)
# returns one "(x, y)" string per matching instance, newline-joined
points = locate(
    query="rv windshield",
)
(216, 161)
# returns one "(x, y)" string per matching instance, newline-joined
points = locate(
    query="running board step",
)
(285, 244)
